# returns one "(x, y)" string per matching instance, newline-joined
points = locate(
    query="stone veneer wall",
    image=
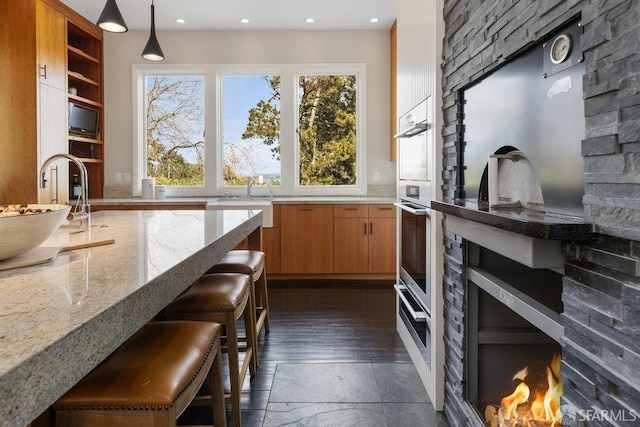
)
(601, 289)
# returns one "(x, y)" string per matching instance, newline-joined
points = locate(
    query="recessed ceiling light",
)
(181, 20)
(244, 20)
(374, 20)
(309, 20)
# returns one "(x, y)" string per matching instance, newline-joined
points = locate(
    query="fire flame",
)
(544, 407)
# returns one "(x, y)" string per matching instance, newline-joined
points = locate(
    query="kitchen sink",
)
(244, 203)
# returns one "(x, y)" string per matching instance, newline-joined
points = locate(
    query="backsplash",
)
(117, 191)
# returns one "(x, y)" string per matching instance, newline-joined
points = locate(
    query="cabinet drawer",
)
(382, 211)
(350, 211)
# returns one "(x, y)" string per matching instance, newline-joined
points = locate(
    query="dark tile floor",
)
(332, 358)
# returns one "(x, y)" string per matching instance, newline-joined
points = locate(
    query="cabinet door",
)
(382, 238)
(382, 245)
(271, 243)
(272, 250)
(52, 46)
(52, 137)
(307, 239)
(351, 253)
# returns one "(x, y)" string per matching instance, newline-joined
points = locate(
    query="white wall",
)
(247, 47)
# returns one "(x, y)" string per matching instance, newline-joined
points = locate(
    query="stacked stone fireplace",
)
(512, 330)
(598, 285)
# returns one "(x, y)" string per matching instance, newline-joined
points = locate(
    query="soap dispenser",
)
(75, 189)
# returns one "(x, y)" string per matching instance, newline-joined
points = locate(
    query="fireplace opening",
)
(513, 350)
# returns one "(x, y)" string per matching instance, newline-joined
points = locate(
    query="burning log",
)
(491, 416)
(515, 410)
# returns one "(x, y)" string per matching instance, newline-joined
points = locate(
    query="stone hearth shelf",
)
(530, 223)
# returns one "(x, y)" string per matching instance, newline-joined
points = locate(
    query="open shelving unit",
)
(85, 75)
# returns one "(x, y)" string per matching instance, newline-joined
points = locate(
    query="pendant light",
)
(152, 51)
(111, 19)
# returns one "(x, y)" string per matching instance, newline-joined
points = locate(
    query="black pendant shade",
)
(111, 19)
(152, 51)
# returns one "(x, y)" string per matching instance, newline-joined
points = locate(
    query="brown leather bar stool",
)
(150, 380)
(223, 298)
(252, 263)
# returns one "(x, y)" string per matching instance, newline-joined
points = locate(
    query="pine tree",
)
(326, 128)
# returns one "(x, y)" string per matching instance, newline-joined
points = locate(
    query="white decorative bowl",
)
(21, 233)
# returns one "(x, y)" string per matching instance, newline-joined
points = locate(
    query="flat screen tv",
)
(83, 120)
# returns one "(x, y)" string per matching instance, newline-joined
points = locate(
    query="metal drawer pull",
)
(418, 316)
(43, 73)
(413, 209)
(306, 209)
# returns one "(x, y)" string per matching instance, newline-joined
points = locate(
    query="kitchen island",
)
(59, 320)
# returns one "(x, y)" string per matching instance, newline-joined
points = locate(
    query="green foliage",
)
(264, 118)
(326, 127)
(174, 128)
(231, 177)
(327, 131)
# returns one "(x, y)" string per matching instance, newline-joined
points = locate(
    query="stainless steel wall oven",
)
(414, 198)
(414, 285)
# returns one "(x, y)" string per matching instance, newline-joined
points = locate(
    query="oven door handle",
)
(418, 316)
(412, 210)
(414, 130)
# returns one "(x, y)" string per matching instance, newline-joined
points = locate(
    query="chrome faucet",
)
(249, 185)
(83, 215)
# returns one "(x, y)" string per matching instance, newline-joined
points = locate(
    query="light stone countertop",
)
(337, 200)
(177, 201)
(60, 320)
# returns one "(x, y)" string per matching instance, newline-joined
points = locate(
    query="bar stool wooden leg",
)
(262, 303)
(251, 263)
(216, 385)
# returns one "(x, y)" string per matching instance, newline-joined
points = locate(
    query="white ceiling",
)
(263, 14)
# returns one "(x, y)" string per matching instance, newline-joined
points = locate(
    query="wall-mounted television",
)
(83, 120)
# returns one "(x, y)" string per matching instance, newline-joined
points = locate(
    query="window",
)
(251, 129)
(327, 129)
(174, 107)
(298, 128)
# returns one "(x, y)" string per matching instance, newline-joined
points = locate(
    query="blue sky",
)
(240, 94)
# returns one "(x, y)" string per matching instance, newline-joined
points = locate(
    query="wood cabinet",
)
(271, 243)
(34, 100)
(364, 239)
(52, 133)
(351, 238)
(393, 95)
(51, 42)
(51, 45)
(18, 103)
(382, 239)
(306, 239)
(84, 79)
(327, 240)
